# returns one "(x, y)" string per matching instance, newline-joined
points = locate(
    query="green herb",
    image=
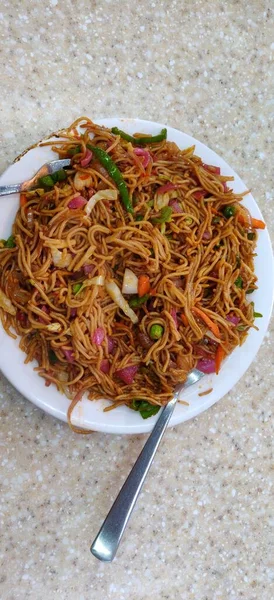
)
(229, 211)
(145, 409)
(150, 203)
(76, 287)
(75, 150)
(238, 261)
(256, 315)
(251, 235)
(114, 173)
(52, 357)
(238, 282)
(156, 332)
(250, 290)
(241, 327)
(165, 215)
(10, 242)
(216, 220)
(139, 218)
(141, 141)
(135, 301)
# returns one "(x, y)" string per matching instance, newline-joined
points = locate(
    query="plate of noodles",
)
(143, 259)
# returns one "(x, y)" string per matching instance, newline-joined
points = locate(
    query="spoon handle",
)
(108, 539)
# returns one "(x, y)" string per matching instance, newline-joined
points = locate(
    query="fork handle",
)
(108, 539)
(10, 189)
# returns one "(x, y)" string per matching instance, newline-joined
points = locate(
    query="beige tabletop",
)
(203, 527)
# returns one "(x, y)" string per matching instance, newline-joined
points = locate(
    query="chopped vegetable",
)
(109, 194)
(127, 374)
(141, 141)
(250, 290)
(69, 355)
(220, 354)
(10, 242)
(145, 409)
(46, 181)
(23, 199)
(175, 205)
(251, 235)
(156, 332)
(163, 189)
(112, 343)
(130, 282)
(164, 217)
(60, 259)
(206, 365)
(250, 222)
(88, 269)
(188, 221)
(52, 357)
(139, 218)
(238, 282)
(98, 336)
(115, 174)
(144, 340)
(6, 304)
(75, 150)
(257, 315)
(143, 285)
(50, 180)
(145, 154)
(229, 211)
(184, 319)
(105, 366)
(81, 181)
(77, 287)
(136, 301)
(116, 295)
(199, 194)
(233, 319)
(173, 313)
(211, 325)
(98, 280)
(216, 220)
(77, 202)
(212, 169)
(54, 327)
(87, 158)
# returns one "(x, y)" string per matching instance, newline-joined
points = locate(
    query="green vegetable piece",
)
(238, 261)
(216, 220)
(46, 181)
(250, 290)
(241, 327)
(156, 332)
(150, 203)
(141, 141)
(52, 357)
(139, 218)
(115, 174)
(73, 151)
(229, 211)
(257, 315)
(164, 217)
(145, 409)
(135, 301)
(10, 242)
(238, 282)
(251, 235)
(76, 287)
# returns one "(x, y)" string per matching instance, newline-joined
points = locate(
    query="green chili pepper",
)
(251, 235)
(139, 218)
(141, 141)
(135, 301)
(76, 287)
(145, 409)
(229, 211)
(10, 242)
(75, 150)
(238, 282)
(165, 215)
(156, 332)
(116, 175)
(52, 357)
(50, 180)
(46, 181)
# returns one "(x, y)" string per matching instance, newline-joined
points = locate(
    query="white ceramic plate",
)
(123, 420)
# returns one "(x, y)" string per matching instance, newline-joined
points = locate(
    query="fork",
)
(108, 539)
(46, 169)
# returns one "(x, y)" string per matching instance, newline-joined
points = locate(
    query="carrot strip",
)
(211, 325)
(23, 199)
(220, 354)
(143, 285)
(184, 319)
(255, 223)
(153, 292)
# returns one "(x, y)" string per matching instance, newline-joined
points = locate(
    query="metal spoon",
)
(46, 169)
(108, 539)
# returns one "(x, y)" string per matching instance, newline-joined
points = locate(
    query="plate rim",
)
(146, 426)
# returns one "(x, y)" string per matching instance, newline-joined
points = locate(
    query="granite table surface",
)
(203, 527)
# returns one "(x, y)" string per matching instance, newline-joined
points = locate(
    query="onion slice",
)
(130, 282)
(98, 336)
(116, 295)
(6, 304)
(127, 374)
(109, 194)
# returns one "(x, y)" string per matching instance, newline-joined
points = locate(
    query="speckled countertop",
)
(203, 528)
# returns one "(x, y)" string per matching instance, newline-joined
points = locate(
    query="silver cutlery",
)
(109, 537)
(46, 169)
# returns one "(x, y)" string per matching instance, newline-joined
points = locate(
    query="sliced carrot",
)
(214, 211)
(184, 319)
(211, 325)
(153, 292)
(143, 285)
(220, 354)
(23, 199)
(255, 223)
(84, 176)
